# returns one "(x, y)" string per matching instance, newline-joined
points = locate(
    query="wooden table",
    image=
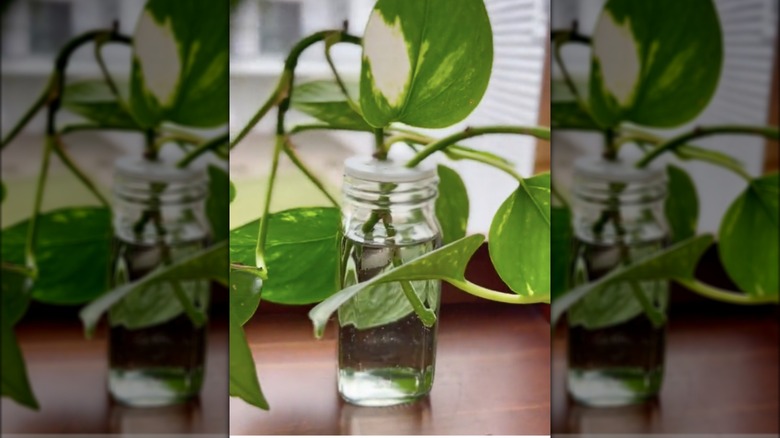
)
(68, 375)
(721, 377)
(492, 377)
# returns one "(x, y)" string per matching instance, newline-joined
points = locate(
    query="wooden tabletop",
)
(721, 377)
(69, 373)
(492, 377)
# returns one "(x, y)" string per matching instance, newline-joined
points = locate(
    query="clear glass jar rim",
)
(599, 169)
(387, 171)
(162, 171)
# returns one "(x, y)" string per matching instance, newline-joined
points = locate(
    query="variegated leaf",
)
(426, 63)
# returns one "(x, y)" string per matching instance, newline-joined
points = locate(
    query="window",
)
(280, 26)
(51, 25)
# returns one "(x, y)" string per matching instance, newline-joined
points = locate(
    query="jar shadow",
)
(406, 419)
(184, 418)
(638, 418)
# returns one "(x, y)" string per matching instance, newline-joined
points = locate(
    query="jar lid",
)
(387, 171)
(161, 171)
(598, 169)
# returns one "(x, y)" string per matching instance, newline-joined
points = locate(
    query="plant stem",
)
(282, 93)
(319, 126)
(559, 39)
(768, 132)
(426, 315)
(289, 150)
(380, 152)
(39, 103)
(329, 43)
(204, 147)
(62, 153)
(32, 228)
(262, 234)
(78, 127)
(542, 133)
(656, 317)
(723, 295)
(492, 295)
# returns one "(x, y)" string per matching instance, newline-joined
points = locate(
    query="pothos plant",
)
(656, 65)
(424, 64)
(178, 86)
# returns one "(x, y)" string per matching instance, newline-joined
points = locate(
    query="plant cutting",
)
(377, 258)
(146, 257)
(630, 226)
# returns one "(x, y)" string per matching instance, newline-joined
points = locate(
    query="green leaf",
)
(16, 288)
(639, 68)
(218, 203)
(14, 382)
(324, 101)
(232, 193)
(519, 239)
(180, 64)
(675, 262)
(447, 263)
(245, 291)
(616, 304)
(452, 205)
(301, 252)
(682, 204)
(207, 264)
(73, 253)
(748, 238)
(569, 115)
(426, 63)
(158, 303)
(562, 253)
(94, 101)
(243, 374)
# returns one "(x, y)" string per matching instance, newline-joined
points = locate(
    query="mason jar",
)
(616, 336)
(386, 353)
(157, 339)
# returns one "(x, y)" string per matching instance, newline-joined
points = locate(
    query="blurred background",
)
(68, 373)
(721, 359)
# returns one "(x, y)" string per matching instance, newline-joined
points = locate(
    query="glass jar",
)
(616, 347)
(386, 353)
(157, 343)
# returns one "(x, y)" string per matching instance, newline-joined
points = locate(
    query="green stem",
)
(380, 151)
(559, 39)
(197, 316)
(427, 316)
(32, 229)
(768, 132)
(39, 103)
(282, 93)
(289, 150)
(492, 295)
(329, 43)
(319, 126)
(725, 296)
(18, 269)
(78, 127)
(656, 317)
(542, 133)
(204, 147)
(59, 149)
(262, 234)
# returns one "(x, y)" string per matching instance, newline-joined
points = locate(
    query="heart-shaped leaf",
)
(301, 253)
(426, 63)
(243, 374)
(569, 115)
(447, 263)
(682, 204)
(218, 203)
(94, 101)
(207, 264)
(676, 262)
(325, 101)
(452, 205)
(245, 292)
(180, 64)
(73, 253)
(748, 238)
(562, 252)
(14, 382)
(640, 69)
(519, 238)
